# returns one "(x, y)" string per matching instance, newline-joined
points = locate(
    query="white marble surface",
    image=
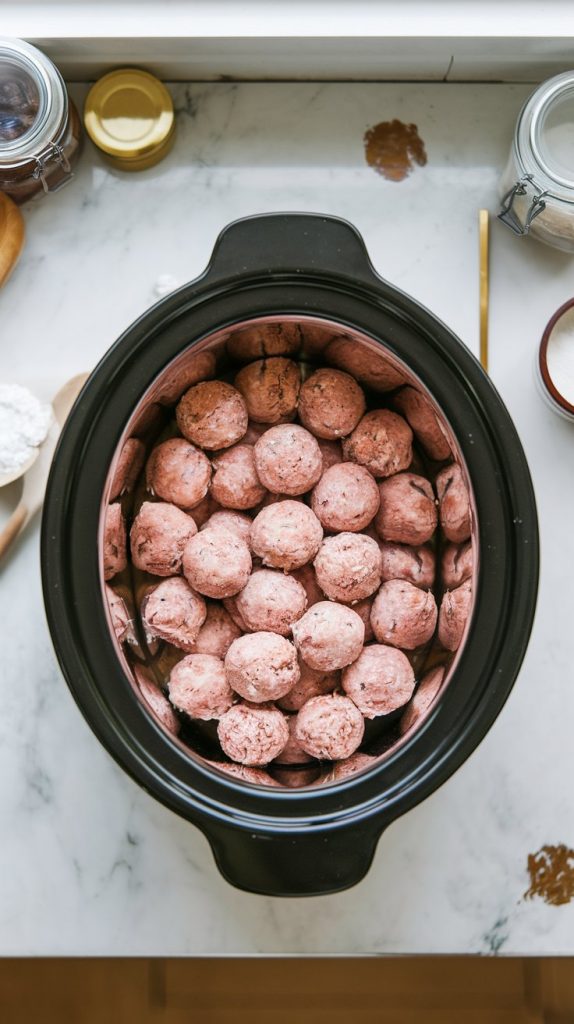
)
(89, 864)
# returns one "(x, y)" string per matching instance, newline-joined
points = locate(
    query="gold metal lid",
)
(129, 116)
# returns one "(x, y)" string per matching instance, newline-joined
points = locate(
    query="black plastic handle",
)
(306, 864)
(277, 244)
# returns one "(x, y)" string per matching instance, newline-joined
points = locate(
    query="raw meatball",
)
(253, 734)
(217, 562)
(115, 556)
(401, 562)
(346, 498)
(230, 605)
(270, 388)
(261, 340)
(379, 681)
(382, 442)
(254, 432)
(454, 504)
(172, 611)
(158, 536)
(403, 615)
(235, 522)
(329, 727)
(203, 511)
(422, 419)
(212, 415)
(288, 459)
(272, 499)
(245, 774)
(178, 472)
(329, 636)
(317, 336)
(311, 683)
(426, 692)
(350, 766)
(292, 753)
(286, 535)
(270, 601)
(363, 608)
(128, 468)
(365, 364)
(198, 686)
(217, 633)
(457, 564)
(348, 567)
(189, 370)
(156, 701)
(331, 452)
(306, 576)
(261, 666)
(235, 483)
(454, 611)
(331, 404)
(150, 419)
(121, 622)
(407, 513)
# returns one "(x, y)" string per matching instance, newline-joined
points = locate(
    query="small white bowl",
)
(547, 386)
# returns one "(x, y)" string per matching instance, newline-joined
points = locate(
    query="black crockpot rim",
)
(439, 747)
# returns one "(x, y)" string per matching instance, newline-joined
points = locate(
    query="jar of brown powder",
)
(40, 130)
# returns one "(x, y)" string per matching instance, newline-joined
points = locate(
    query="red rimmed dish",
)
(550, 376)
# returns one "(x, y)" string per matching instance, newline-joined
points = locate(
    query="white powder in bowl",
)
(560, 355)
(24, 423)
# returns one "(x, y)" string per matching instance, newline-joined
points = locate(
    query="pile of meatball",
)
(289, 539)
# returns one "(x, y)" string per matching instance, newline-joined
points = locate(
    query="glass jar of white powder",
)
(537, 187)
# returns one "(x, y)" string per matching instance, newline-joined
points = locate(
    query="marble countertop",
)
(89, 863)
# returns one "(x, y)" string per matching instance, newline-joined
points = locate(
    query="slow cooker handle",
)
(279, 244)
(308, 864)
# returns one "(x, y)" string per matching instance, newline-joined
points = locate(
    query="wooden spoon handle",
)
(13, 527)
(11, 236)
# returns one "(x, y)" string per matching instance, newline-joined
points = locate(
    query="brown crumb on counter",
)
(392, 148)
(551, 872)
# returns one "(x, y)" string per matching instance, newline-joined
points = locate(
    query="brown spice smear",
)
(392, 148)
(551, 872)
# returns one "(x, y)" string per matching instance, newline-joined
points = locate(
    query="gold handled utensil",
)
(483, 230)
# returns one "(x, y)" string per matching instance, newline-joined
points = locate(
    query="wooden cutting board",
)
(11, 236)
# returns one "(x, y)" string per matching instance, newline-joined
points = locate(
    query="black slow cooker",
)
(314, 270)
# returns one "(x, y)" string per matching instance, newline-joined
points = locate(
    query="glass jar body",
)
(40, 128)
(537, 185)
(553, 224)
(26, 180)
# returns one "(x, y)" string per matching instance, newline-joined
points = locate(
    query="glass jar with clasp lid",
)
(40, 130)
(537, 186)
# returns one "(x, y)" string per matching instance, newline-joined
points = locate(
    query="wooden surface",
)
(11, 236)
(402, 990)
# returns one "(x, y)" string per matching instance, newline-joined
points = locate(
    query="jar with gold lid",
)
(129, 116)
(40, 129)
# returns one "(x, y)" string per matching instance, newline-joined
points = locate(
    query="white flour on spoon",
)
(24, 423)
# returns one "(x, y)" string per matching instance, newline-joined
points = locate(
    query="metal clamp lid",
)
(52, 156)
(508, 214)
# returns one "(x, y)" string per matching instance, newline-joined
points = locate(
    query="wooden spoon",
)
(36, 478)
(11, 236)
(15, 474)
